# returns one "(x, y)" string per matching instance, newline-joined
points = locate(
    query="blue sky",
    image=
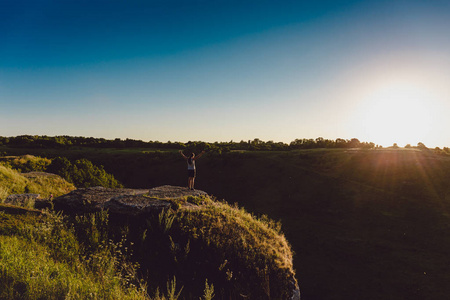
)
(227, 70)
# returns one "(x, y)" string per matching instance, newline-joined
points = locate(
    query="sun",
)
(396, 113)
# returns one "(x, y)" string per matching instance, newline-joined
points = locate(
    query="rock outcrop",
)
(22, 199)
(138, 204)
(125, 201)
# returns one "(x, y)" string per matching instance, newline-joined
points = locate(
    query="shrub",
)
(83, 173)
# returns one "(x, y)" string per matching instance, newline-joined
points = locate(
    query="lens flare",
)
(396, 113)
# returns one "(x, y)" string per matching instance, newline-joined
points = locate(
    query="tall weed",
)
(208, 292)
(41, 259)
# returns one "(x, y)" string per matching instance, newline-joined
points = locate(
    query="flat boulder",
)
(91, 199)
(125, 201)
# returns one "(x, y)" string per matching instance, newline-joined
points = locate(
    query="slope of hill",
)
(45, 184)
(157, 234)
(41, 258)
(364, 224)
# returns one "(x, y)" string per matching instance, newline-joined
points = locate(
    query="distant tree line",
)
(36, 141)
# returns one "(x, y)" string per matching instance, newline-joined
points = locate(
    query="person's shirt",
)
(191, 166)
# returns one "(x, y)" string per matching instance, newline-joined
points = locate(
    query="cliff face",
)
(174, 231)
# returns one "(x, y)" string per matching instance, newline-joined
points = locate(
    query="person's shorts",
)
(191, 173)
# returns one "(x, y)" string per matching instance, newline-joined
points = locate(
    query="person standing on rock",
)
(191, 167)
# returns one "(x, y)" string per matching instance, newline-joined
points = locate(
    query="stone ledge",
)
(124, 201)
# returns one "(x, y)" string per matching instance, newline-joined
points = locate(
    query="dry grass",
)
(13, 182)
(251, 255)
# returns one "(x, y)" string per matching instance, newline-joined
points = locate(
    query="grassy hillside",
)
(80, 172)
(43, 256)
(369, 224)
(46, 256)
(241, 255)
(13, 182)
(40, 258)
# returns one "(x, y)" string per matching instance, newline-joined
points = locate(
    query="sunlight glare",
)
(397, 113)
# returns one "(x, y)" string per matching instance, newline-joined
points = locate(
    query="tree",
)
(82, 173)
(354, 143)
(86, 174)
(340, 143)
(320, 142)
(62, 167)
(421, 146)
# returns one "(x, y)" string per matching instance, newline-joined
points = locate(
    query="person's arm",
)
(200, 155)
(181, 152)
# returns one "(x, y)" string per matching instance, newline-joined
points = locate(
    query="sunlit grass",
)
(251, 253)
(13, 182)
(233, 227)
(40, 258)
(29, 272)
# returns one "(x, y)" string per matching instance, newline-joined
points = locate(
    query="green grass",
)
(214, 251)
(40, 258)
(239, 246)
(250, 253)
(211, 249)
(13, 182)
(80, 152)
(29, 272)
(26, 163)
